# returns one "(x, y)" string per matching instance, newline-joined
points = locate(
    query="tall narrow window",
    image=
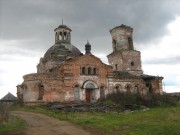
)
(102, 92)
(60, 36)
(136, 89)
(132, 63)
(114, 45)
(56, 37)
(41, 91)
(64, 35)
(94, 71)
(117, 88)
(89, 70)
(116, 67)
(83, 70)
(130, 43)
(128, 88)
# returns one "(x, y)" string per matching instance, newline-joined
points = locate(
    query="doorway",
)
(88, 95)
(90, 91)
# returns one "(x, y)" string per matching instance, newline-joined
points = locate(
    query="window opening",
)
(116, 67)
(102, 92)
(89, 70)
(94, 70)
(83, 70)
(132, 63)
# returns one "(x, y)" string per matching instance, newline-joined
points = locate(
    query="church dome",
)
(60, 52)
(62, 49)
(63, 26)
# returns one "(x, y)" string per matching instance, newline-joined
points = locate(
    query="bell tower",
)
(63, 34)
(122, 38)
(124, 57)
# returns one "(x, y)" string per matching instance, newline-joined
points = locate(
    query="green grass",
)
(12, 125)
(156, 121)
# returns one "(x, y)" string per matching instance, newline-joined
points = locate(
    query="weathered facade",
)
(65, 74)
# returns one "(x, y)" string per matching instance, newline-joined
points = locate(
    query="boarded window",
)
(77, 92)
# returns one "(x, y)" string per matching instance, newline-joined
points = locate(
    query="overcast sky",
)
(27, 31)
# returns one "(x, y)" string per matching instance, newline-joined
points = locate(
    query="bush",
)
(4, 113)
(149, 100)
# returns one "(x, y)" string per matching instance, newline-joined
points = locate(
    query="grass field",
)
(13, 125)
(156, 121)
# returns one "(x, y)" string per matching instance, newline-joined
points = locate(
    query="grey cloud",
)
(168, 60)
(24, 19)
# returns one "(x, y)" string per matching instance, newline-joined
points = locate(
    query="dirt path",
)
(39, 124)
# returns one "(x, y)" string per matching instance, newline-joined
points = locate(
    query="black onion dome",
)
(59, 52)
(88, 47)
(87, 44)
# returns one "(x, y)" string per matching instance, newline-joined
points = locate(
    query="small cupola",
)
(63, 34)
(88, 48)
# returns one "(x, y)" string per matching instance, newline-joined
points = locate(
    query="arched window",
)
(76, 92)
(130, 43)
(90, 86)
(118, 88)
(132, 63)
(64, 35)
(41, 91)
(60, 36)
(56, 37)
(89, 70)
(67, 36)
(114, 45)
(83, 71)
(94, 71)
(150, 89)
(136, 89)
(128, 88)
(116, 67)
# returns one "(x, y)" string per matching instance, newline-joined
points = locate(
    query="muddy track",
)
(39, 124)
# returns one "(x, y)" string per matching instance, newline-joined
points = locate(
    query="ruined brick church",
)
(66, 74)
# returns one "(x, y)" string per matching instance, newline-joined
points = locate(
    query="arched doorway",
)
(91, 89)
(89, 92)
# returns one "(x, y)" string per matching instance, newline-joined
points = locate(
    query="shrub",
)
(149, 100)
(4, 113)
